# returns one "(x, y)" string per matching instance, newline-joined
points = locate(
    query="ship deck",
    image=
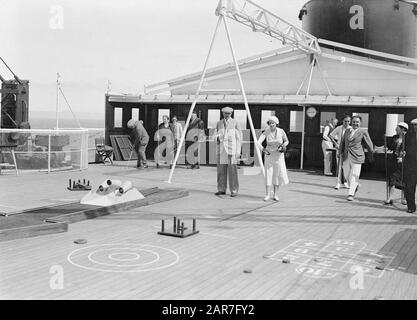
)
(335, 249)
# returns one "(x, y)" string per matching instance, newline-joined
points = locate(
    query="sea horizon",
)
(50, 123)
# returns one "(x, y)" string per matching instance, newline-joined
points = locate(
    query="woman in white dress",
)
(275, 169)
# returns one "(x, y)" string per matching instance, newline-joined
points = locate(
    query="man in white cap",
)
(140, 140)
(410, 167)
(229, 141)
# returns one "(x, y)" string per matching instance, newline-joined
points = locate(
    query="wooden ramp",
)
(55, 219)
(123, 148)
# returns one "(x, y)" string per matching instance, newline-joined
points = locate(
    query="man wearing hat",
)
(229, 141)
(140, 139)
(410, 167)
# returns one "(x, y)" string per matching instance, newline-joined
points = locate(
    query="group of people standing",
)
(352, 143)
(169, 132)
(228, 136)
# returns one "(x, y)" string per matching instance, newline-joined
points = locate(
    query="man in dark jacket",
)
(196, 132)
(410, 167)
(140, 139)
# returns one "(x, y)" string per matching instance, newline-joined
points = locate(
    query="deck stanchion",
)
(302, 139)
(49, 153)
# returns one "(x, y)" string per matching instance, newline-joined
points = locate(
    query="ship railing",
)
(48, 150)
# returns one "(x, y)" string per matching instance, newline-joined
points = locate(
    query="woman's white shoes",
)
(267, 198)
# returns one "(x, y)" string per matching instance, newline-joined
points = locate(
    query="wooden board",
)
(94, 212)
(33, 231)
(116, 151)
(54, 219)
(126, 148)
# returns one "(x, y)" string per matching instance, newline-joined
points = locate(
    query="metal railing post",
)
(49, 152)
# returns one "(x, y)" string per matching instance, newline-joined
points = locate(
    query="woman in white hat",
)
(395, 161)
(275, 169)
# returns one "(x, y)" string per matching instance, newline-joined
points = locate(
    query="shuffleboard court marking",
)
(119, 251)
(137, 258)
(314, 268)
(326, 260)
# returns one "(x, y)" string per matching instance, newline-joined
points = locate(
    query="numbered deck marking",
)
(326, 260)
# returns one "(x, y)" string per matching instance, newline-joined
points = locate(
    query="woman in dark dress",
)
(395, 161)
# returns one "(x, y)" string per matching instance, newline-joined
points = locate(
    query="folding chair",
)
(103, 151)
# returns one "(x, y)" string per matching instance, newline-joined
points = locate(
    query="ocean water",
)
(50, 123)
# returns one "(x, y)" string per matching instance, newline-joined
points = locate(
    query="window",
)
(213, 116)
(161, 113)
(240, 116)
(392, 120)
(118, 117)
(296, 121)
(265, 114)
(135, 113)
(325, 118)
(365, 118)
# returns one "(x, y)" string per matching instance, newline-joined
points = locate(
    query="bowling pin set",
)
(78, 186)
(179, 230)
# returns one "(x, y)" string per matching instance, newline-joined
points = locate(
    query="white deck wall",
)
(283, 75)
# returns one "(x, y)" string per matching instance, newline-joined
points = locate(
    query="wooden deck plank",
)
(408, 251)
(212, 262)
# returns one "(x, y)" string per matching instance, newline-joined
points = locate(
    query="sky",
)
(130, 43)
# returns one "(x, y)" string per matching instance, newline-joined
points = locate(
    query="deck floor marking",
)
(327, 260)
(248, 211)
(138, 258)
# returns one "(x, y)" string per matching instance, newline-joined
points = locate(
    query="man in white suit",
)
(229, 142)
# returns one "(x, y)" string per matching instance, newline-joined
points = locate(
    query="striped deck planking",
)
(234, 236)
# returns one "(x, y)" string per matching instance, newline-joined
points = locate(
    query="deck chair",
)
(103, 151)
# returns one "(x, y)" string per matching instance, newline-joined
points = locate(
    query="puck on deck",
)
(247, 271)
(286, 260)
(80, 241)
